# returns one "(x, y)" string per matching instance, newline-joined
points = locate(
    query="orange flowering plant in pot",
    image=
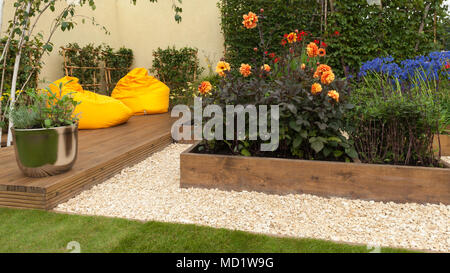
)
(312, 99)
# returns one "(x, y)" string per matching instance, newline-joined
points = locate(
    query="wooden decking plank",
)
(102, 154)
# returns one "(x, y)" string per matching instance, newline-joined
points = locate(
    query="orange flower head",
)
(334, 95)
(266, 68)
(222, 67)
(250, 20)
(303, 66)
(316, 89)
(322, 52)
(312, 50)
(321, 69)
(246, 70)
(205, 88)
(328, 77)
(291, 38)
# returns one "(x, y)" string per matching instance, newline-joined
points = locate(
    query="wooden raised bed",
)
(445, 144)
(329, 179)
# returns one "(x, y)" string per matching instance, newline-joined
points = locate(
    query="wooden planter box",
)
(286, 176)
(445, 144)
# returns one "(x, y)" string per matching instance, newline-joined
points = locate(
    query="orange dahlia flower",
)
(246, 70)
(222, 67)
(322, 52)
(250, 20)
(321, 69)
(327, 77)
(312, 50)
(266, 68)
(316, 89)
(205, 88)
(291, 38)
(334, 95)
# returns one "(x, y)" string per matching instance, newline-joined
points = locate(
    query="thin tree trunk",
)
(422, 25)
(2, 3)
(1, 90)
(15, 75)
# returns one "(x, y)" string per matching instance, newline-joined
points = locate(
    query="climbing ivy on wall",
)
(354, 30)
(118, 62)
(98, 68)
(30, 59)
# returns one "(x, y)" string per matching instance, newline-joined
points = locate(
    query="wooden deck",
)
(102, 154)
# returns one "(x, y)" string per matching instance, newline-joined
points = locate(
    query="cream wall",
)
(143, 28)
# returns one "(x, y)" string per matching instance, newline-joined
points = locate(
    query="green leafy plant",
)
(312, 101)
(98, 68)
(30, 60)
(117, 65)
(44, 109)
(356, 31)
(395, 124)
(178, 68)
(84, 63)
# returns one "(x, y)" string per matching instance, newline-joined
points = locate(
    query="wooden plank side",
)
(102, 154)
(281, 176)
(445, 144)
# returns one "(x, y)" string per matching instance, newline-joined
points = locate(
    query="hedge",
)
(365, 31)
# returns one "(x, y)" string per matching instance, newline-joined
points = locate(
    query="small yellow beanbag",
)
(142, 93)
(96, 111)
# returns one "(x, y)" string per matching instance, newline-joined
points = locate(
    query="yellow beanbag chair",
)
(95, 111)
(142, 93)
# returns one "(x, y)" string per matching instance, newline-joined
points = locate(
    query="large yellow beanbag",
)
(95, 111)
(142, 93)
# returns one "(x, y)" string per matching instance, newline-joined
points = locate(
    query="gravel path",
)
(150, 191)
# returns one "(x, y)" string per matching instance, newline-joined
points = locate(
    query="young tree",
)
(26, 16)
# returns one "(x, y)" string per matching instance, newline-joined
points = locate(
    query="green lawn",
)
(38, 231)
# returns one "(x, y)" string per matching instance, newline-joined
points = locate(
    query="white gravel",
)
(150, 191)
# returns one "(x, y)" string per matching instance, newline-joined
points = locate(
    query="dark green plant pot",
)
(46, 152)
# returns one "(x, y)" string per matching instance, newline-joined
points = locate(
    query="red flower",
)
(265, 53)
(283, 42)
(316, 42)
(276, 60)
(299, 38)
(447, 66)
(272, 55)
(285, 35)
(324, 44)
(337, 33)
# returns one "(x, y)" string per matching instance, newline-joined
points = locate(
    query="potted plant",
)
(45, 132)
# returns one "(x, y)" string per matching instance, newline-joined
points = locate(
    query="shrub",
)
(356, 31)
(312, 102)
(177, 68)
(30, 59)
(117, 64)
(98, 68)
(395, 121)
